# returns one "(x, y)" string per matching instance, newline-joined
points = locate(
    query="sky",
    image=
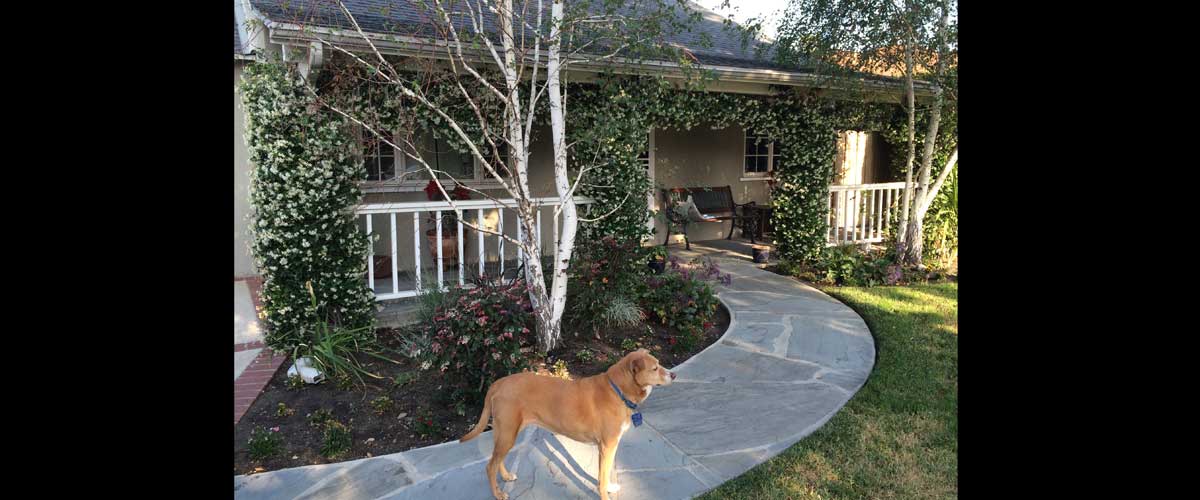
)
(739, 10)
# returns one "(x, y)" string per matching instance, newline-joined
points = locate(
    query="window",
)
(390, 169)
(447, 161)
(379, 158)
(761, 155)
(503, 172)
(645, 157)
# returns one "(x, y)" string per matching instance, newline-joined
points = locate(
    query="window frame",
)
(771, 155)
(401, 163)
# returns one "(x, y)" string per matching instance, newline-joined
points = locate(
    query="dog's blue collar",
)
(637, 415)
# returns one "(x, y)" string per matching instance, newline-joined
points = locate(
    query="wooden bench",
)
(716, 202)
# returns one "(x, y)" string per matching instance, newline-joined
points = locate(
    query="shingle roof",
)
(400, 16)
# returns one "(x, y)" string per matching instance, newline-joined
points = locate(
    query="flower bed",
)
(421, 411)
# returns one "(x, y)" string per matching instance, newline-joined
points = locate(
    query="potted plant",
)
(658, 259)
(760, 253)
(449, 241)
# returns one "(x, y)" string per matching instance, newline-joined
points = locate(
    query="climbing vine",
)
(302, 186)
(611, 118)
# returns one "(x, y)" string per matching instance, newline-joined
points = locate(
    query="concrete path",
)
(253, 364)
(791, 358)
(246, 330)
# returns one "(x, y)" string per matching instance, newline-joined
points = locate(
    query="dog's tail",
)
(483, 417)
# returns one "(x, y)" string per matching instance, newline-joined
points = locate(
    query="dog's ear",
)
(637, 364)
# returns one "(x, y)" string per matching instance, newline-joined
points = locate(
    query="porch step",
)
(395, 313)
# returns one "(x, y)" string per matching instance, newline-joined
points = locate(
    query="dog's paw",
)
(510, 477)
(502, 496)
(613, 487)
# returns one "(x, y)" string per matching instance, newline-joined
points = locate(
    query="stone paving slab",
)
(704, 419)
(831, 343)
(724, 364)
(791, 358)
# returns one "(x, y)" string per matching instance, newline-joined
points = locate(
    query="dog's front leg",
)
(608, 454)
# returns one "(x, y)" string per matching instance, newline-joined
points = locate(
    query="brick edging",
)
(257, 344)
(253, 380)
(258, 374)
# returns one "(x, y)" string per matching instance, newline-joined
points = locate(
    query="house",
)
(396, 207)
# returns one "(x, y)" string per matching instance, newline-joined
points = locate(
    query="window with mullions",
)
(379, 158)
(761, 155)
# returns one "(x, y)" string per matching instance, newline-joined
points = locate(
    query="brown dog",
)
(588, 410)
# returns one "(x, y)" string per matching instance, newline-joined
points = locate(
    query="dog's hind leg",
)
(504, 432)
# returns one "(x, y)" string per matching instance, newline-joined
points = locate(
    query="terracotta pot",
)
(449, 247)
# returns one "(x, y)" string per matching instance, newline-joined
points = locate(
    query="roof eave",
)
(292, 34)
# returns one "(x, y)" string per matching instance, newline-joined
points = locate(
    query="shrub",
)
(404, 379)
(941, 226)
(264, 443)
(850, 266)
(382, 404)
(485, 335)
(622, 312)
(432, 299)
(305, 177)
(332, 348)
(560, 370)
(683, 298)
(319, 417)
(605, 281)
(424, 425)
(335, 439)
(282, 411)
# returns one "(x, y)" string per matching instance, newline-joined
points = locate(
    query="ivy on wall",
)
(610, 121)
(302, 186)
(305, 178)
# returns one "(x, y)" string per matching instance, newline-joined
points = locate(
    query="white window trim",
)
(414, 185)
(758, 176)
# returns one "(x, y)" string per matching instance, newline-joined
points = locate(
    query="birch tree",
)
(845, 40)
(504, 59)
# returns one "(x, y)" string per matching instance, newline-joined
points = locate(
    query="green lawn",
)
(898, 436)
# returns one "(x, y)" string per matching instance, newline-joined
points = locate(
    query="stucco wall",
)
(243, 264)
(703, 157)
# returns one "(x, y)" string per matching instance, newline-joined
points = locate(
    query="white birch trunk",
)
(914, 238)
(912, 144)
(562, 182)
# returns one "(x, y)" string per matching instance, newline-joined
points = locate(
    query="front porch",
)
(406, 256)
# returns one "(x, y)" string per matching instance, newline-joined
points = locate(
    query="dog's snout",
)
(672, 375)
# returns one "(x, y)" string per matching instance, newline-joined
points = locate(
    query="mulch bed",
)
(420, 398)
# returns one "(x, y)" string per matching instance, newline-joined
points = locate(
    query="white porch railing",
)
(860, 213)
(414, 287)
